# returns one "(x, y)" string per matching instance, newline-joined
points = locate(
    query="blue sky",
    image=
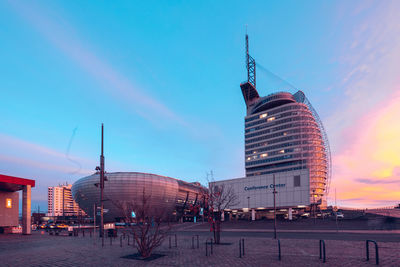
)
(163, 76)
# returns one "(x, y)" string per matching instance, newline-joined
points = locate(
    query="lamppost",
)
(274, 208)
(248, 207)
(314, 207)
(102, 178)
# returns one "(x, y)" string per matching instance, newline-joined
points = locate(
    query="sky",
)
(163, 77)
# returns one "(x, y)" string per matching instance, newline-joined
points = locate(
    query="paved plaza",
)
(41, 249)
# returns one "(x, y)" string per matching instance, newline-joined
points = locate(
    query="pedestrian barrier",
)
(322, 250)
(211, 244)
(279, 250)
(376, 250)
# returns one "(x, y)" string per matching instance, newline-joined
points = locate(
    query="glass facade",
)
(284, 133)
(163, 192)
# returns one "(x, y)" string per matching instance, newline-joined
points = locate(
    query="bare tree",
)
(149, 224)
(220, 197)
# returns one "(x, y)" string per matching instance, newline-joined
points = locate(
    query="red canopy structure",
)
(8, 187)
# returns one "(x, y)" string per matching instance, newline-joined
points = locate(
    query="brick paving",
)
(44, 250)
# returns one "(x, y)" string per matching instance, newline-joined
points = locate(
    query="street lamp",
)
(248, 207)
(314, 207)
(274, 208)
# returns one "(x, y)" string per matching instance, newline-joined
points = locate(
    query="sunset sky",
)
(163, 76)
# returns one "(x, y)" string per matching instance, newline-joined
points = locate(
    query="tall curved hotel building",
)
(284, 133)
(286, 148)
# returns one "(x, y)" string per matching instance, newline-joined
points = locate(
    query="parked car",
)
(339, 215)
(51, 225)
(305, 215)
(62, 226)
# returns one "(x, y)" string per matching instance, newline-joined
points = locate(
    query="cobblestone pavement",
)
(44, 250)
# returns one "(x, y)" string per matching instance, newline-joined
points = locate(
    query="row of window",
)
(268, 148)
(274, 111)
(296, 130)
(272, 153)
(264, 119)
(284, 157)
(277, 165)
(280, 122)
(277, 171)
(286, 138)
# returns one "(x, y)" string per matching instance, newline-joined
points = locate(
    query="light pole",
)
(102, 184)
(274, 208)
(248, 207)
(314, 207)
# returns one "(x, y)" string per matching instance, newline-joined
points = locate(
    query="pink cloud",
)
(367, 168)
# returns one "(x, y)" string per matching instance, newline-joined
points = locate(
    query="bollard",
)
(197, 241)
(120, 241)
(128, 240)
(376, 250)
(322, 248)
(90, 233)
(206, 247)
(110, 241)
(211, 242)
(279, 250)
(169, 238)
(176, 242)
(240, 249)
(102, 242)
(243, 245)
(83, 232)
(192, 242)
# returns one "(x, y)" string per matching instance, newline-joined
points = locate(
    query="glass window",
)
(296, 181)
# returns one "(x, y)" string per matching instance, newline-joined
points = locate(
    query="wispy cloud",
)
(377, 181)
(65, 38)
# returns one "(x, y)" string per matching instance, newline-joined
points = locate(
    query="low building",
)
(255, 194)
(9, 203)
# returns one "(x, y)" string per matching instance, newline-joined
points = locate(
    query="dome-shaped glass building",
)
(170, 194)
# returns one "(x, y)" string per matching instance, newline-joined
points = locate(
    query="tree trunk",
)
(218, 231)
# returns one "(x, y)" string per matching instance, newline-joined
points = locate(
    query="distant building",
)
(61, 203)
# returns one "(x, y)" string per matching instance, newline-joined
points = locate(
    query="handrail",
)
(376, 250)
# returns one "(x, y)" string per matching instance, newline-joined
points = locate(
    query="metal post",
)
(128, 240)
(192, 242)
(176, 242)
(240, 248)
(376, 250)
(120, 241)
(207, 247)
(169, 238)
(322, 250)
(197, 241)
(94, 218)
(279, 250)
(243, 245)
(274, 208)
(110, 241)
(102, 184)
(211, 242)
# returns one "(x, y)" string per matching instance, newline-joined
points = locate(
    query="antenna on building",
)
(250, 64)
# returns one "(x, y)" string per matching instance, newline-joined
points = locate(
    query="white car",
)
(339, 215)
